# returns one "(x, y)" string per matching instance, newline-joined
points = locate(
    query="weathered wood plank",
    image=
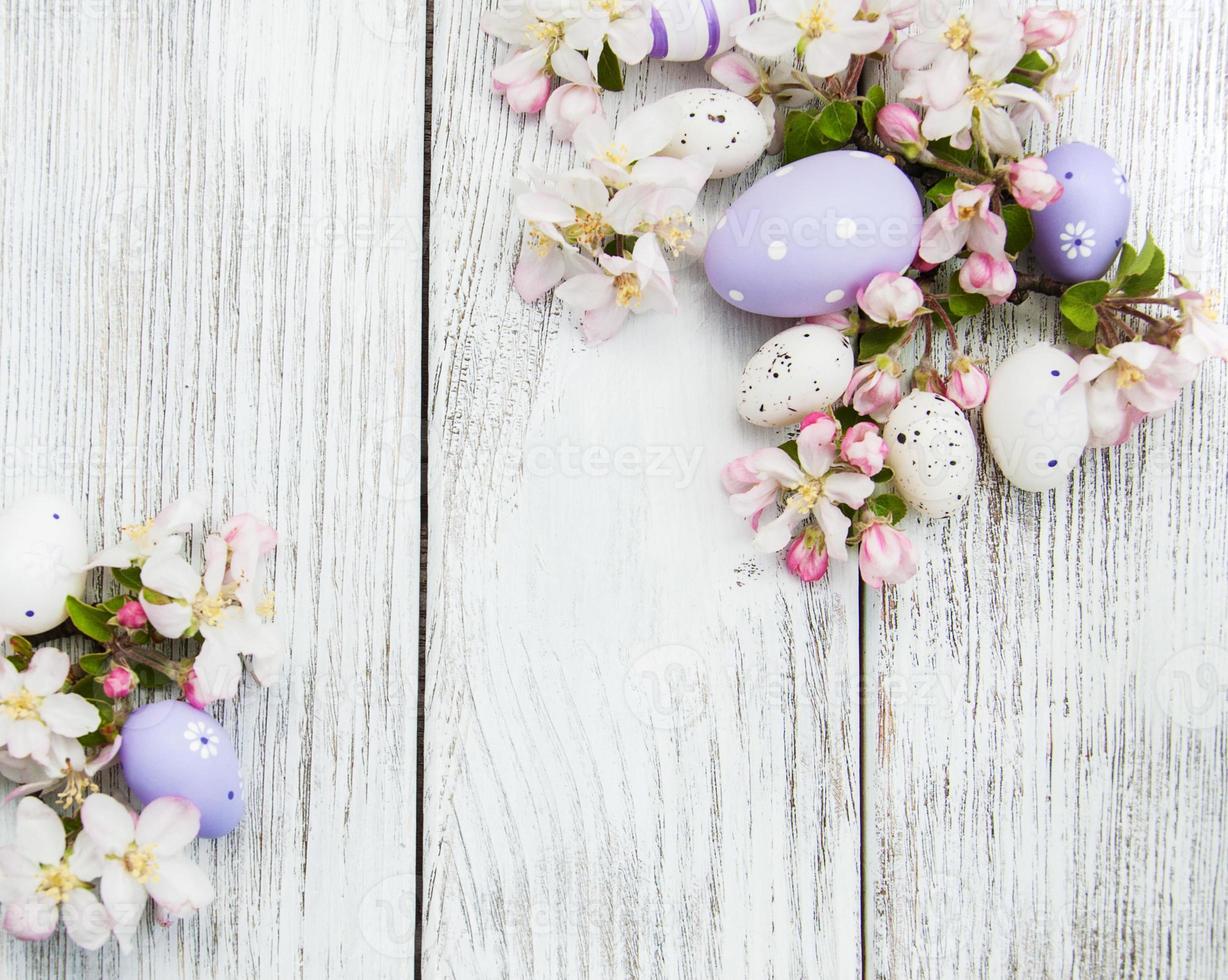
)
(209, 275)
(641, 740)
(1049, 723)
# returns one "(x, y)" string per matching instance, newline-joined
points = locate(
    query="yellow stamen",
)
(77, 785)
(268, 606)
(138, 532)
(980, 92)
(57, 882)
(612, 8)
(22, 705)
(627, 288)
(958, 35)
(209, 608)
(589, 231)
(141, 863)
(816, 21)
(540, 244)
(1127, 375)
(546, 31)
(675, 232)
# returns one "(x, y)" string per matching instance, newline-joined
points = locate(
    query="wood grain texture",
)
(209, 276)
(641, 740)
(1050, 720)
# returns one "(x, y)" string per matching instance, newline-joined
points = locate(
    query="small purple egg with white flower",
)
(804, 239)
(1079, 236)
(171, 749)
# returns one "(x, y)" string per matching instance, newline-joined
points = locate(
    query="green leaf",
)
(889, 506)
(1019, 229)
(790, 449)
(1077, 336)
(879, 341)
(943, 191)
(114, 604)
(837, 122)
(943, 148)
(1086, 293)
(1145, 272)
(1032, 61)
(1079, 315)
(93, 740)
(883, 476)
(87, 687)
(90, 620)
(129, 578)
(876, 98)
(95, 664)
(848, 416)
(803, 136)
(962, 304)
(609, 70)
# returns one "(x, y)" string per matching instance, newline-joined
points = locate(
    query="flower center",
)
(268, 606)
(590, 231)
(627, 288)
(22, 705)
(544, 30)
(958, 35)
(141, 863)
(808, 495)
(139, 532)
(612, 8)
(675, 232)
(816, 21)
(57, 882)
(617, 155)
(980, 92)
(539, 243)
(209, 608)
(77, 785)
(1127, 375)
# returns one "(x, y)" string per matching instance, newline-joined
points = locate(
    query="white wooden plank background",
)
(210, 222)
(1050, 719)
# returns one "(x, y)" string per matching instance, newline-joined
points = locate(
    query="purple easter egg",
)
(692, 30)
(1079, 237)
(171, 749)
(804, 239)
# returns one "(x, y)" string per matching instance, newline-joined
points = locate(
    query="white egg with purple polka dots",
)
(719, 126)
(802, 370)
(1036, 418)
(43, 553)
(931, 449)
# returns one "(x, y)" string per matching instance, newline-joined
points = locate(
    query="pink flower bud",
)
(837, 321)
(192, 692)
(1031, 184)
(891, 298)
(131, 615)
(875, 388)
(529, 97)
(568, 106)
(119, 682)
(828, 426)
(1044, 29)
(968, 385)
(807, 558)
(863, 448)
(925, 378)
(991, 276)
(900, 128)
(887, 556)
(736, 72)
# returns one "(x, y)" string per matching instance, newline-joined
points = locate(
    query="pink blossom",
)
(1203, 333)
(925, 378)
(753, 481)
(1131, 382)
(891, 298)
(968, 385)
(119, 682)
(887, 556)
(837, 321)
(1031, 184)
(736, 72)
(864, 449)
(131, 615)
(568, 106)
(828, 427)
(194, 693)
(900, 128)
(1044, 29)
(807, 558)
(523, 82)
(246, 531)
(966, 221)
(992, 276)
(875, 388)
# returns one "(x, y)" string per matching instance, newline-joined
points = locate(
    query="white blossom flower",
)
(625, 24)
(66, 766)
(644, 133)
(33, 712)
(157, 536)
(614, 287)
(828, 32)
(988, 41)
(38, 882)
(1077, 240)
(141, 856)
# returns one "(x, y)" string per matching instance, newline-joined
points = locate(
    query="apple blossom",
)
(624, 24)
(1031, 184)
(131, 615)
(987, 41)
(828, 33)
(968, 385)
(568, 106)
(807, 558)
(828, 427)
(966, 221)
(775, 90)
(1128, 383)
(35, 718)
(615, 287)
(158, 535)
(874, 389)
(900, 128)
(887, 556)
(863, 448)
(611, 152)
(119, 682)
(66, 767)
(892, 299)
(525, 91)
(992, 276)
(753, 482)
(1204, 335)
(1047, 28)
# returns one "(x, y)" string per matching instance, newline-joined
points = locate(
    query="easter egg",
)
(719, 126)
(931, 450)
(804, 239)
(1036, 418)
(43, 553)
(1079, 237)
(171, 749)
(692, 30)
(802, 370)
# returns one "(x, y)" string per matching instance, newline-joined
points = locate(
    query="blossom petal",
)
(87, 860)
(86, 919)
(631, 38)
(570, 65)
(171, 619)
(170, 822)
(778, 532)
(19, 876)
(124, 899)
(40, 833)
(587, 291)
(601, 323)
(835, 527)
(850, 489)
(47, 671)
(172, 576)
(70, 714)
(28, 738)
(769, 37)
(32, 920)
(182, 514)
(536, 274)
(181, 887)
(815, 453)
(218, 671)
(111, 824)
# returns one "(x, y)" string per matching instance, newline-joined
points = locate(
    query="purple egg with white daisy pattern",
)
(171, 749)
(1078, 238)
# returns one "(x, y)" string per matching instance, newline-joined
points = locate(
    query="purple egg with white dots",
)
(1078, 237)
(692, 30)
(171, 749)
(43, 553)
(804, 239)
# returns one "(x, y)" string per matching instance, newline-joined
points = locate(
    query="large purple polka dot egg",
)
(171, 749)
(804, 239)
(1078, 237)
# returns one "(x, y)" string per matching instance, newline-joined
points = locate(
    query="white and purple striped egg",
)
(692, 30)
(1078, 237)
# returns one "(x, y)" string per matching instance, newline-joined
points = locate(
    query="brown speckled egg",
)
(932, 451)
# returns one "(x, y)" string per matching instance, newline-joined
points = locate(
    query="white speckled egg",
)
(1036, 418)
(802, 370)
(43, 553)
(932, 451)
(719, 126)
